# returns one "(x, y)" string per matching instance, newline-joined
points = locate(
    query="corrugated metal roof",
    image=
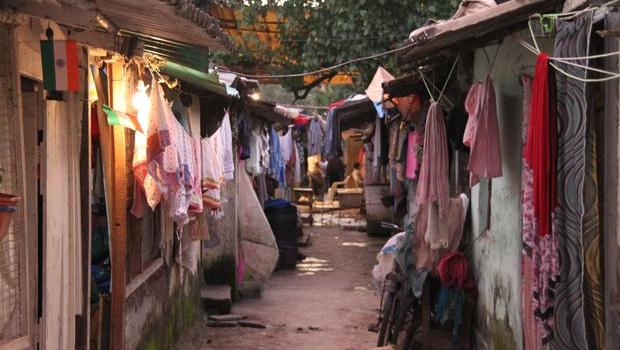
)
(175, 20)
(471, 30)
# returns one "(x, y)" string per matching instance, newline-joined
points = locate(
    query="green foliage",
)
(321, 33)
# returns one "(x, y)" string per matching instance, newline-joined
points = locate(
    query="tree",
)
(321, 33)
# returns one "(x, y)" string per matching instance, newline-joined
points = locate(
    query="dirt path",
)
(326, 304)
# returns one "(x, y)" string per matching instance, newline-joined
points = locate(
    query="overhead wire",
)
(322, 70)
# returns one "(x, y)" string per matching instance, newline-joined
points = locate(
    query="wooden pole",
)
(119, 213)
(113, 158)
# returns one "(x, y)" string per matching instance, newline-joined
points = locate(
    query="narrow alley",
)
(327, 302)
(309, 174)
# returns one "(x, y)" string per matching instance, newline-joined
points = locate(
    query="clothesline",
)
(535, 49)
(611, 76)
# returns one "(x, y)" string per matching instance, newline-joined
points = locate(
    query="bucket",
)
(8, 199)
(8, 206)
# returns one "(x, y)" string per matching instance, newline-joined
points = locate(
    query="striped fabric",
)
(579, 295)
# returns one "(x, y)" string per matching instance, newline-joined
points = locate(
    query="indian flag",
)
(125, 120)
(60, 65)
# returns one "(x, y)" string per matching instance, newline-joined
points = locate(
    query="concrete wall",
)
(220, 251)
(169, 301)
(155, 314)
(496, 256)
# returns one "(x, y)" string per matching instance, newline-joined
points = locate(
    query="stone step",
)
(251, 289)
(216, 299)
(252, 324)
(226, 318)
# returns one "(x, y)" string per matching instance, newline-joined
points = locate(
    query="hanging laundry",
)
(227, 153)
(482, 133)
(433, 182)
(253, 163)
(580, 305)
(302, 160)
(212, 171)
(453, 270)
(541, 148)
(140, 174)
(244, 134)
(179, 199)
(540, 268)
(450, 232)
(263, 143)
(414, 148)
(333, 143)
(196, 206)
(315, 137)
(276, 163)
(161, 150)
(286, 145)
(301, 120)
(377, 143)
(297, 166)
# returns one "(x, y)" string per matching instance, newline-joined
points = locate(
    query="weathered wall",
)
(169, 301)
(219, 252)
(156, 316)
(496, 257)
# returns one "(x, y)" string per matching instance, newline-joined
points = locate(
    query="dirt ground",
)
(325, 304)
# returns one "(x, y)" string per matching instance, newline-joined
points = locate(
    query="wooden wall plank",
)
(55, 248)
(83, 322)
(11, 88)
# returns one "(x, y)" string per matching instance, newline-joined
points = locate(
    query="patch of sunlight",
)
(355, 244)
(310, 266)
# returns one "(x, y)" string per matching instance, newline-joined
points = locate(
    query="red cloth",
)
(94, 122)
(337, 103)
(453, 270)
(301, 121)
(541, 148)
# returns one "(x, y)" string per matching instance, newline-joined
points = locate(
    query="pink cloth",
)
(451, 232)
(433, 181)
(413, 164)
(482, 133)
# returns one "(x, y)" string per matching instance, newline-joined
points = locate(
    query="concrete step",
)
(226, 318)
(251, 289)
(216, 299)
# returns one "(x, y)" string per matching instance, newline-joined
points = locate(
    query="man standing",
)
(335, 171)
(317, 180)
(354, 180)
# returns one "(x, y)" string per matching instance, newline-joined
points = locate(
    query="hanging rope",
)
(611, 75)
(426, 81)
(456, 60)
(430, 93)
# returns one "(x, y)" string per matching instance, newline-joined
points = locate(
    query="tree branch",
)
(302, 92)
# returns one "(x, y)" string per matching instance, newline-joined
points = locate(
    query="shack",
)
(495, 44)
(78, 269)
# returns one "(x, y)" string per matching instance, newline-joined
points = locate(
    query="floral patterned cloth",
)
(540, 259)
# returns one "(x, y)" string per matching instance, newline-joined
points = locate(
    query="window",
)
(144, 235)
